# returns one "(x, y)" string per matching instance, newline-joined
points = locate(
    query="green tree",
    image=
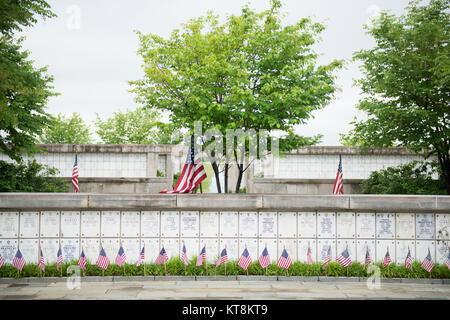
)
(411, 178)
(141, 126)
(24, 90)
(30, 177)
(406, 83)
(67, 129)
(248, 73)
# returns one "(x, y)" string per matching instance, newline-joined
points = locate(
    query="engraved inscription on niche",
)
(425, 226)
(385, 225)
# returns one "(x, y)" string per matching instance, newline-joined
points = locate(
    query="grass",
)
(175, 266)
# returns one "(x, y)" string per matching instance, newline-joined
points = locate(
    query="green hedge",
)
(176, 267)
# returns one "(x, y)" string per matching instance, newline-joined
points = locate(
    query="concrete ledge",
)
(43, 200)
(132, 201)
(220, 201)
(33, 280)
(133, 278)
(390, 280)
(173, 278)
(215, 278)
(256, 278)
(424, 281)
(338, 279)
(224, 202)
(394, 203)
(305, 202)
(298, 278)
(97, 279)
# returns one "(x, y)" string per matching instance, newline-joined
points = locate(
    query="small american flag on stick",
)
(103, 261)
(141, 257)
(223, 257)
(408, 261)
(367, 260)
(387, 259)
(201, 257)
(344, 258)
(41, 262)
(284, 261)
(427, 263)
(327, 258)
(121, 257)
(245, 259)
(162, 257)
(59, 258)
(2, 261)
(339, 182)
(308, 256)
(184, 255)
(18, 261)
(75, 174)
(264, 259)
(82, 260)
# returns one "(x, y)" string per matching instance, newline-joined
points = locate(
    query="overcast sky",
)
(90, 49)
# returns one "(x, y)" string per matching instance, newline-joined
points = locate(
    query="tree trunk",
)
(444, 162)
(226, 177)
(241, 172)
(216, 174)
(240, 175)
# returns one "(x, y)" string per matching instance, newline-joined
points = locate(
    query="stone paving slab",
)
(216, 289)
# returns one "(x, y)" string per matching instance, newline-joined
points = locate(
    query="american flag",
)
(59, 259)
(223, 257)
(75, 174)
(408, 260)
(19, 260)
(42, 262)
(121, 257)
(344, 258)
(141, 257)
(82, 260)
(327, 258)
(338, 183)
(447, 260)
(201, 257)
(245, 259)
(284, 261)
(184, 255)
(427, 264)
(162, 257)
(192, 175)
(103, 261)
(368, 260)
(2, 261)
(308, 256)
(387, 259)
(264, 259)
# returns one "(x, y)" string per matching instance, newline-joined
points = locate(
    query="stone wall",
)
(76, 221)
(133, 168)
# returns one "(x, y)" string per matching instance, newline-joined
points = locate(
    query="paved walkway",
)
(231, 290)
